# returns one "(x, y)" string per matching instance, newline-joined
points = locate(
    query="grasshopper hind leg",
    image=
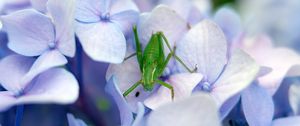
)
(167, 86)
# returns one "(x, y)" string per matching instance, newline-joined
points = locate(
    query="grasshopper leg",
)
(134, 86)
(167, 86)
(176, 57)
(128, 57)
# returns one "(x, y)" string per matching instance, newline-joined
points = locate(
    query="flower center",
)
(52, 45)
(206, 87)
(105, 17)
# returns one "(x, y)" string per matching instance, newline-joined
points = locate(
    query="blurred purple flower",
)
(102, 26)
(206, 46)
(34, 34)
(72, 121)
(55, 85)
(192, 112)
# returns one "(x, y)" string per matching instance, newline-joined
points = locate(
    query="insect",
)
(152, 62)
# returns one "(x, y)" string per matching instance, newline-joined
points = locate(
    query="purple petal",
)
(228, 105)
(53, 86)
(126, 114)
(7, 100)
(47, 60)
(205, 46)
(163, 19)
(12, 69)
(122, 5)
(139, 119)
(126, 74)
(197, 110)
(257, 105)
(240, 71)
(183, 85)
(126, 20)
(102, 41)
(62, 12)
(29, 32)
(288, 121)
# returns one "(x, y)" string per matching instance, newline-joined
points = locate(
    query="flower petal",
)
(72, 121)
(7, 100)
(89, 10)
(12, 69)
(125, 20)
(183, 85)
(47, 60)
(40, 5)
(62, 12)
(163, 19)
(102, 41)
(229, 21)
(288, 121)
(205, 46)
(122, 5)
(258, 106)
(197, 110)
(229, 105)
(182, 7)
(125, 111)
(29, 32)
(281, 60)
(139, 119)
(294, 97)
(56, 85)
(126, 75)
(240, 71)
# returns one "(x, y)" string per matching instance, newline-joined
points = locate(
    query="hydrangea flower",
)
(54, 85)
(32, 33)
(197, 110)
(128, 72)
(72, 121)
(102, 26)
(223, 75)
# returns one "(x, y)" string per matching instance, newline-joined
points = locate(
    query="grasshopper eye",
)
(137, 94)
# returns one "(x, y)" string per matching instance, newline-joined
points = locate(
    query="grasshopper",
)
(152, 62)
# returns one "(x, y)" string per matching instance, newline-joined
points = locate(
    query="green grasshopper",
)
(152, 62)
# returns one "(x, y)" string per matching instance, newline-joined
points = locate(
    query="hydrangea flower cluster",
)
(83, 56)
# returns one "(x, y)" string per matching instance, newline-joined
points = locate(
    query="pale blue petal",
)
(12, 69)
(39, 5)
(126, 114)
(102, 41)
(62, 12)
(229, 21)
(122, 5)
(72, 121)
(56, 85)
(197, 110)
(29, 32)
(204, 46)
(257, 105)
(140, 118)
(294, 98)
(126, 20)
(240, 71)
(47, 60)
(288, 121)
(90, 10)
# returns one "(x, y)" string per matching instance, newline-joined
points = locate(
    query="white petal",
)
(238, 74)
(205, 46)
(102, 41)
(7, 100)
(198, 110)
(183, 85)
(294, 98)
(164, 19)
